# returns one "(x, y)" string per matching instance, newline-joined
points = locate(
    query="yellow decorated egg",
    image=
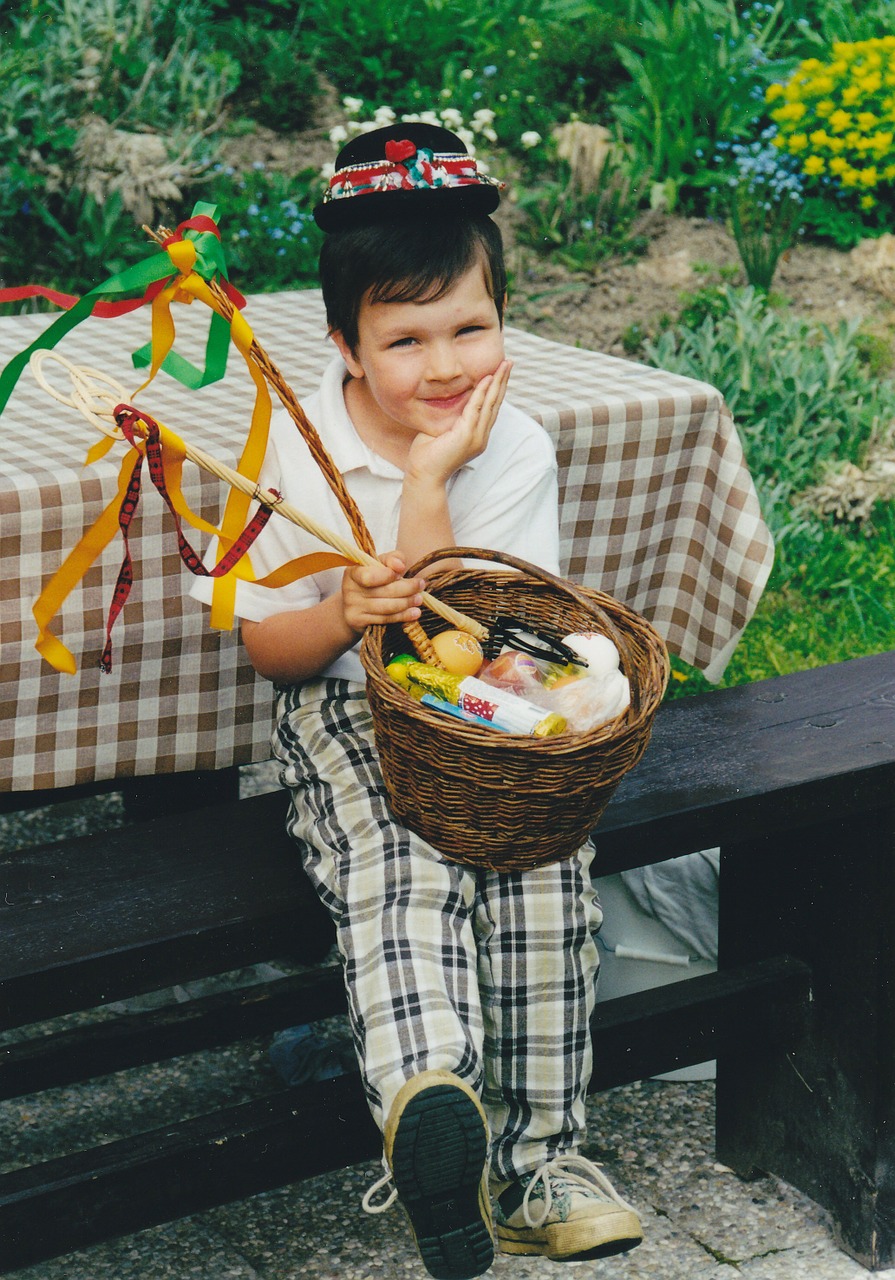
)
(460, 652)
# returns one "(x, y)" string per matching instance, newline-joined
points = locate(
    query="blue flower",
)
(490, 70)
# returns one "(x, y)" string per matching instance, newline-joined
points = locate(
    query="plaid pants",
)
(491, 976)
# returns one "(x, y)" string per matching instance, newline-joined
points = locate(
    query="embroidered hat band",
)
(405, 170)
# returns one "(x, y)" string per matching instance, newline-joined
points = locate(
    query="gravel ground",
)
(655, 1139)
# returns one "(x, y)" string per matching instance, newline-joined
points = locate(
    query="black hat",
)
(401, 171)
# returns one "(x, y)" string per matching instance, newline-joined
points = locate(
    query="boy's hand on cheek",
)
(436, 458)
(379, 593)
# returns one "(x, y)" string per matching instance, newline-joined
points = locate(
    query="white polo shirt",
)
(504, 500)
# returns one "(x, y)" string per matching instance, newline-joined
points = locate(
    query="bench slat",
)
(132, 1040)
(137, 1182)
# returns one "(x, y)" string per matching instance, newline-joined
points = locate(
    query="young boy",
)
(470, 992)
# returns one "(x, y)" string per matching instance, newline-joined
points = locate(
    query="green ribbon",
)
(137, 279)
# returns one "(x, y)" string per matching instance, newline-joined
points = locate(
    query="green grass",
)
(826, 601)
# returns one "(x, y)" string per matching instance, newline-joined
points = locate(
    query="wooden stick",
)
(83, 381)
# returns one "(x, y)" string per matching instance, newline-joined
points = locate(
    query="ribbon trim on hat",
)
(407, 167)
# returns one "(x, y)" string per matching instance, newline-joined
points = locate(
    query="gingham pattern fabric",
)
(657, 508)
(489, 975)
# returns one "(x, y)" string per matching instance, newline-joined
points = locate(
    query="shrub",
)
(278, 87)
(579, 222)
(837, 118)
(799, 393)
(267, 227)
(697, 73)
(766, 208)
(86, 85)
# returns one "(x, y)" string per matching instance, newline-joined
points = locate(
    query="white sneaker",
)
(567, 1211)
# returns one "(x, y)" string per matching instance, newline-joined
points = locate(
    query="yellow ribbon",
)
(185, 288)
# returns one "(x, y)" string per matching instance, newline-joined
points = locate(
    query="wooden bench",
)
(794, 778)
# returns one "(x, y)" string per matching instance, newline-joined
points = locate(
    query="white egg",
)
(597, 650)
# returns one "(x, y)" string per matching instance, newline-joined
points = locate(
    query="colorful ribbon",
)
(148, 279)
(165, 453)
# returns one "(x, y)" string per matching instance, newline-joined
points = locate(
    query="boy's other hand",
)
(438, 457)
(373, 594)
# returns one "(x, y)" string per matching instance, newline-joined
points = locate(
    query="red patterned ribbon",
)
(127, 419)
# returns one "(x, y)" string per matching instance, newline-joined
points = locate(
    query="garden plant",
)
(775, 120)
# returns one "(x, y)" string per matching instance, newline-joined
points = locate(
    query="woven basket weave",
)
(503, 801)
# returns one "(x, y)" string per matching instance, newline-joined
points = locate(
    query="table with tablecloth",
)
(657, 508)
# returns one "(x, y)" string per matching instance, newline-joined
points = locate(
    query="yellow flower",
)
(773, 92)
(840, 121)
(849, 177)
(825, 107)
(814, 165)
(779, 140)
(798, 141)
(869, 177)
(867, 121)
(790, 111)
(882, 143)
(889, 172)
(838, 165)
(850, 95)
(869, 83)
(820, 138)
(867, 202)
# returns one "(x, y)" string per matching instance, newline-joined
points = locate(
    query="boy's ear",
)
(355, 368)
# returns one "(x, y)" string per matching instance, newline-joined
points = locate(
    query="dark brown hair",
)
(412, 261)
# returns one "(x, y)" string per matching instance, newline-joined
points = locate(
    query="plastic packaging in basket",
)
(496, 800)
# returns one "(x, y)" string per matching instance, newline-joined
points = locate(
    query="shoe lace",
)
(573, 1170)
(367, 1203)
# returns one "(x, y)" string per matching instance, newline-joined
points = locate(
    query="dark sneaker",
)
(436, 1147)
(567, 1211)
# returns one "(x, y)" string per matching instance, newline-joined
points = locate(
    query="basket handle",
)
(544, 575)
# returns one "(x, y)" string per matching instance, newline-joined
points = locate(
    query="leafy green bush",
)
(267, 227)
(392, 50)
(697, 71)
(151, 73)
(766, 208)
(580, 227)
(836, 116)
(799, 393)
(830, 597)
(278, 87)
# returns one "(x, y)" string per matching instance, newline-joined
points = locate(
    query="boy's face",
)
(417, 363)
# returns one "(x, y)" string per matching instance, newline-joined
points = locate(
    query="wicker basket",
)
(496, 800)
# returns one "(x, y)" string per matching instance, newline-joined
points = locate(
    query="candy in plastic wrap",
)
(505, 710)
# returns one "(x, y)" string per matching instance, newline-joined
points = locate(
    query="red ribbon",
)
(127, 418)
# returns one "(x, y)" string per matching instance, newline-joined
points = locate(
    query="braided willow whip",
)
(95, 395)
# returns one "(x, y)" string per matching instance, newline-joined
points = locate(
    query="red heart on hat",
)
(399, 150)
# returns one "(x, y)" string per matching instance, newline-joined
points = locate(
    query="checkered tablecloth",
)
(658, 509)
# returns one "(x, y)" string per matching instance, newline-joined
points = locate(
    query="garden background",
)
(703, 185)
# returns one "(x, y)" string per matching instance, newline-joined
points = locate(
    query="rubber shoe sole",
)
(436, 1143)
(581, 1239)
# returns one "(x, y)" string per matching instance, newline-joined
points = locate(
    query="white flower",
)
(353, 105)
(467, 136)
(530, 138)
(338, 134)
(482, 166)
(327, 171)
(467, 73)
(489, 134)
(482, 117)
(429, 117)
(384, 115)
(367, 126)
(452, 118)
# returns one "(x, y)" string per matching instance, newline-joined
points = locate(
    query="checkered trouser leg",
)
(492, 976)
